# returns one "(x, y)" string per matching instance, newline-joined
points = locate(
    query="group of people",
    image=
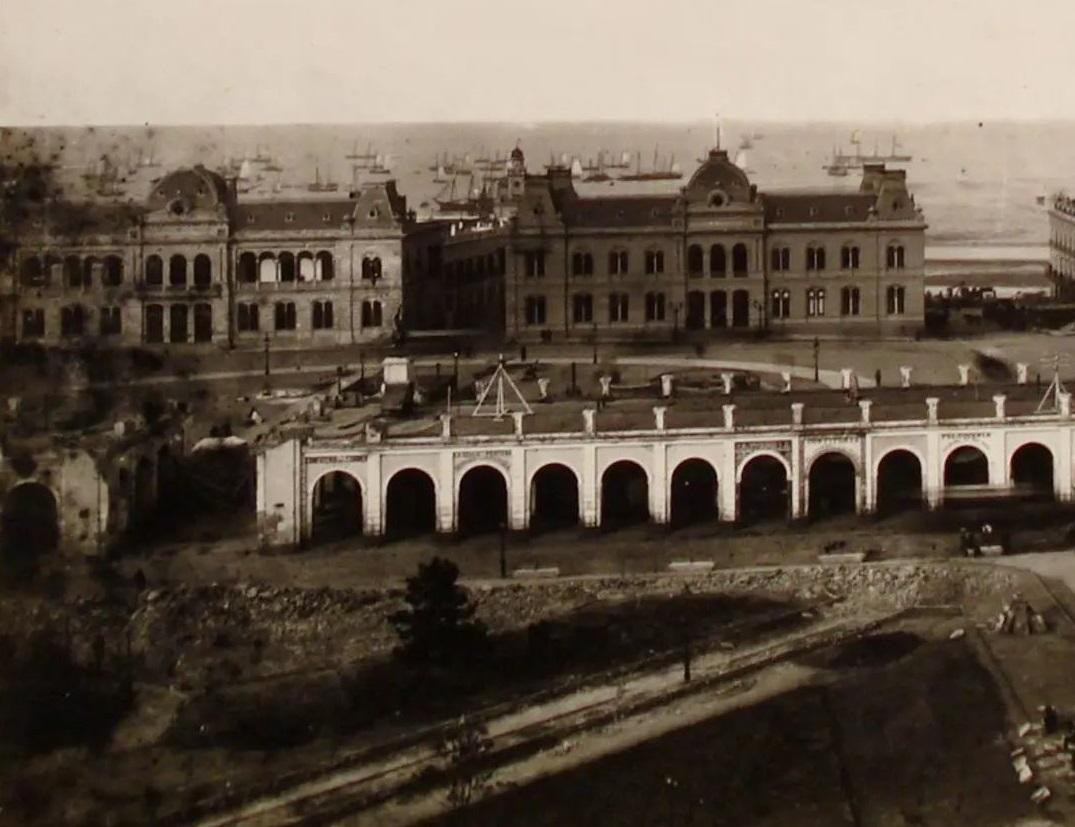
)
(973, 540)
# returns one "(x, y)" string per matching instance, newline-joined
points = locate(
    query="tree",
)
(438, 627)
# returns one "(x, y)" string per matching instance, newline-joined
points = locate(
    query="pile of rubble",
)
(1019, 618)
(1044, 754)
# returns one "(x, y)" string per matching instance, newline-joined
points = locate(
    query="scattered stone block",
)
(957, 634)
(547, 572)
(1041, 795)
(843, 557)
(691, 565)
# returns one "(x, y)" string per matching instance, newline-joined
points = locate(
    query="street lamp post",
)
(675, 321)
(455, 371)
(503, 551)
(595, 341)
(817, 351)
(266, 361)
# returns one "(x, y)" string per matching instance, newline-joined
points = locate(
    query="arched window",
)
(247, 268)
(177, 272)
(849, 257)
(371, 268)
(894, 258)
(89, 265)
(780, 259)
(266, 268)
(284, 315)
(654, 262)
(246, 317)
(113, 271)
(307, 268)
(695, 260)
(177, 323)
(618, 307)
(203, 322)
(849, 301)
(72, 272)
(287, 266)
(31, 273)
(718, 262)
(154, 323)
(33, 323)
(740, 260)
(203, 271)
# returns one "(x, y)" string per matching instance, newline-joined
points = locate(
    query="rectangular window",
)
(246, 318)
(655, 307)
(582, 308)
(111, 325)
(33, 323)
(321, 313)
(284, 315)
(849, 301)
(617, 263)
(618, 307)
(781, 304)
(894, 300)
(815, 258)
(849, 257)
(535, 310)
(534, 261)
(654, 262)
(780, 259)
(815, 302)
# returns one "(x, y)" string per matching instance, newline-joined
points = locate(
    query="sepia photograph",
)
(545, 413)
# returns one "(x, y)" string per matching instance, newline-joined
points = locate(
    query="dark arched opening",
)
(695, 260)
(177, 271)
(143, 501)
(694, 493)
(763, 490)
(336, 509)
(1032, 471)
(203, 271)
(899, 482)
(832, 486)
(695, 310)
(29, 527)
(248, 268)
(554, 498)
(624, 495)
(740, 262)
(966, 466)
(740, 308)
(483, 501)
(410, 504)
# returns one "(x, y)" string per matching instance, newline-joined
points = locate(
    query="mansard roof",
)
(621, 211)
(816, 206)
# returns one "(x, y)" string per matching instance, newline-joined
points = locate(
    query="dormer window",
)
(813, 212)
(373, 213)
(327, 218)
(897, 204)
(779, 212)
(848, 210)
(249, 218)
(289, 217)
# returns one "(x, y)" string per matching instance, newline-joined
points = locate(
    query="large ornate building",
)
(718, 255)
(195, 264)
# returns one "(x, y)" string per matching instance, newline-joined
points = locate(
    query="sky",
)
(356, 61)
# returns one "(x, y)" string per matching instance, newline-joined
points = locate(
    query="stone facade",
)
(195, 264)
(935, 452)
(1062, 242)
(717, 256)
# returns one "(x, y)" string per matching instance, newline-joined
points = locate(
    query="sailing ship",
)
(624, 162)
(355, 155)
(442, 176)
(319, 186)
(672, 173)
(476, 202)
(380, 166)
(857, 159)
